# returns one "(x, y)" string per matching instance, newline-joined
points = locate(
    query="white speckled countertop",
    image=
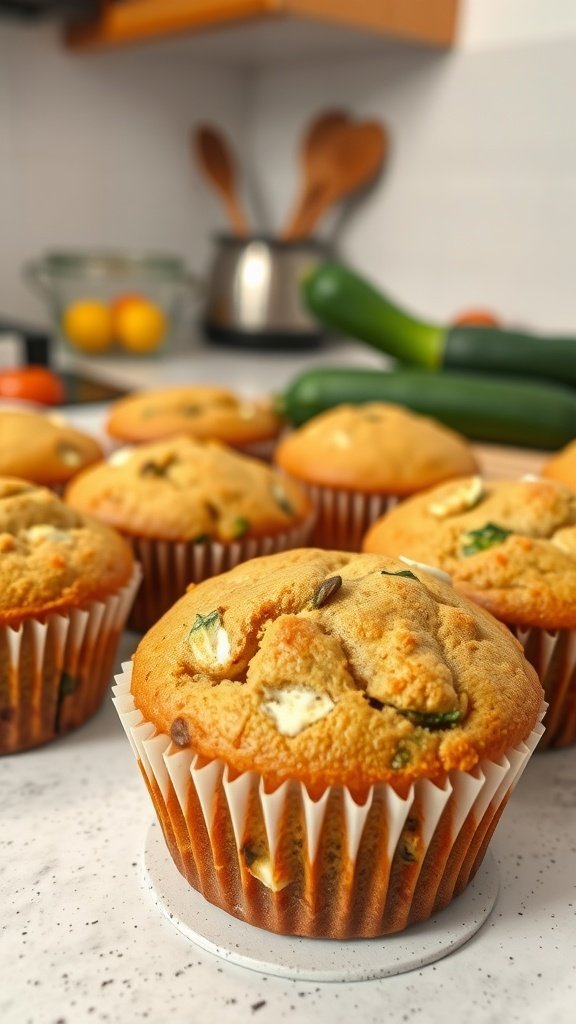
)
(81, 939)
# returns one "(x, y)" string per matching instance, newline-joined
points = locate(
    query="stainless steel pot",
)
(253, 294)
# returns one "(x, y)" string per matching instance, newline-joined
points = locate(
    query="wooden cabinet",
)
(431, 22)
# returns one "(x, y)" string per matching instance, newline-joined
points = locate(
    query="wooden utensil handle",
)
(309, 209)
(236, 216)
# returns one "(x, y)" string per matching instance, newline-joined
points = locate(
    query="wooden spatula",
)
(216, 161)
(312, 156)
(350, 156)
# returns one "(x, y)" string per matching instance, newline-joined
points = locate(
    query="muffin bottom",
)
(553, 655)
(170, 566)
(56, 670)
(328, 867)
(343, 517)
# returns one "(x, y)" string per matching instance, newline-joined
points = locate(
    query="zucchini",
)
(347, 303)
(483, 408)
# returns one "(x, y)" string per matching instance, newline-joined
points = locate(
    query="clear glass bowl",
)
(88, 294)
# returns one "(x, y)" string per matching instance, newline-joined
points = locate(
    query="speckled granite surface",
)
(82, 941)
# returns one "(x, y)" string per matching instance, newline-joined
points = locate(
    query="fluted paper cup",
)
(55, 670)
(553, 655)
(170, 566)
(343, 517)
(259, 449)
(329, 867)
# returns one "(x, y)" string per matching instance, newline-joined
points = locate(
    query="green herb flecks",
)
(208, 639)
(67, 686)
(152, 469)
(403, 572)
(158, 469)
(408, 852)
(281, 499)
(373, 702)
(425, 719)
(249, 854)
(487, 536)
(326, 591)
(432, 719)
(240, 527)
(202, 538)
(401, 758)
(206, 621)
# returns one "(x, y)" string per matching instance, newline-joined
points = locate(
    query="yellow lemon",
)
(140, 325)
(88, 325)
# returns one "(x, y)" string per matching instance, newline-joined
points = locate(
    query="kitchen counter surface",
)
(250, 370)
(81, 939)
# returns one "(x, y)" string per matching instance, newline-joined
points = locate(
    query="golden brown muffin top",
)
(43, 448)
(376, 447)
(510, 546)
(562, 466)
(200, 411)
(189, 490)
(52, 558)
(335, 668)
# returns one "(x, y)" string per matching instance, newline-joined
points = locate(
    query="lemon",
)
(88, 325)
(140, 325)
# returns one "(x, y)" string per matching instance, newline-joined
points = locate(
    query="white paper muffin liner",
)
(553, 655)
(56, 670)
(328, 867)
(168, 567)
(343, 517)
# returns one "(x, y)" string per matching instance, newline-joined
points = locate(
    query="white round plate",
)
(315, 959)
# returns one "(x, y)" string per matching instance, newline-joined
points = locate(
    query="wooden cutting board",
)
(499, 463)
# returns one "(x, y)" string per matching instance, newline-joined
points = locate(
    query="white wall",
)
(486, 23)
(94, 151)
(478, 202)
(477, 205)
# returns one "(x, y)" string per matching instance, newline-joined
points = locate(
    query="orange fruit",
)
(140, 325)
(87, 324)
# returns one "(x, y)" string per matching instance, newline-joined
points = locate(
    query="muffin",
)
(42, 448)
(198, 411)
(67, 584)
(190, 510)
(329, 739)
(562, 466)
(511, 547)
(357, 461)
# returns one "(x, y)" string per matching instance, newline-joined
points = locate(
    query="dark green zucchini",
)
(347, 303)
(483, 408)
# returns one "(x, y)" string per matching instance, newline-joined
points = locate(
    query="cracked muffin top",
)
(377, 447)
(200, 411)
(509, 546)
(52, 558)
(189, 490)
(43, 448)
(335, 668)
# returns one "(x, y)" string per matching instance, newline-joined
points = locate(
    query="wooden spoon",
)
(217, 164)
(316, 137)
(350, 157)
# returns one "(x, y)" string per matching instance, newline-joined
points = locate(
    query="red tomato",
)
(33, 383)
(478, 317)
